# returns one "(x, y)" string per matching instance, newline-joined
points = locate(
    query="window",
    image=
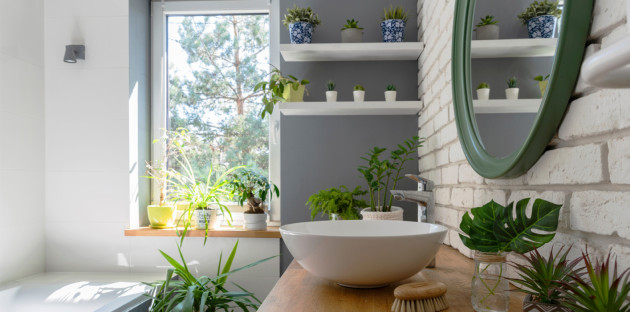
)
(207, 58)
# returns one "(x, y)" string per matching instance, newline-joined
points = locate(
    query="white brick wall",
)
(587, 169)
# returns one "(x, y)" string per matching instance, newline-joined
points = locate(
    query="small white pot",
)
(351, 35)
(483, 94)
(511, 93)
(488, 32)
(359, 96)
(390, 96)
(255, 221)
(331, 96)
(395, 214)
(209, 217)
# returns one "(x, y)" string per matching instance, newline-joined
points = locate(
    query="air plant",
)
(391, 87)
(331, 85)
(395, 13)
(488, 20)
(351, 23)
(512, 82)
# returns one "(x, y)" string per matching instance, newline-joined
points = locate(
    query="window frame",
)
(159, 71)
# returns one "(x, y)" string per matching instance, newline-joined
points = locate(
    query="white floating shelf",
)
(350, 108)
(503, 48)
(364, 51)
(507, 106)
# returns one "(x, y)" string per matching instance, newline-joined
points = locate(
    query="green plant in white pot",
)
(487, 29)
(254, 188)
(280, 88)
(483, 91)
(337, 203)
(390, 93)
(351, 32)
(381, 176)
(331, 94)
(511, 93)
(358, 93)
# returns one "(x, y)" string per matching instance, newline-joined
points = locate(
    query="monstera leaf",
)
(495, 228)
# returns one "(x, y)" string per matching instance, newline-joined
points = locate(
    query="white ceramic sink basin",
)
(363, 253)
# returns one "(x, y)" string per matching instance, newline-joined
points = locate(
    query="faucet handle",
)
(423, 184)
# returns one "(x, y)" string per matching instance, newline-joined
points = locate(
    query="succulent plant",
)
(395, 13)
(483, 85)
(331, 85)
(301, 15)
(391, 87)
(511, 82)
(541, 8)
(359, 88)
(351, 23)
(488, 20)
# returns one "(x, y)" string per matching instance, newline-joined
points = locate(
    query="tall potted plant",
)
(351, 32)
(280, 88)
(383, 175)
(338, 203)
(301, 22)
(496, 230)
(487, 29)
(393, 24)
(254, 188)
(541, 19)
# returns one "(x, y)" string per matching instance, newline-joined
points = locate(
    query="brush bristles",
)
(425, 305)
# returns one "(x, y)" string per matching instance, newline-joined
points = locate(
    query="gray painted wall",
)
(322, 152)
(502, 134)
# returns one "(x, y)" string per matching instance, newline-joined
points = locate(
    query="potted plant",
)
(496, 230)
(280, 88)
(545, 280)
(351, 32)
(541, 18)
(162, 215)
(601, 292)
(337, 203)
(483, 91)
(542, 83)
(191, 293)
(254, 188)
(390, 93)
(380, 174)
(358, 93)
(393, 24)
(331, 94)
(511, 93)
(300, 22)
(487, 29)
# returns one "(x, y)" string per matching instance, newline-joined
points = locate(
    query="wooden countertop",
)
(271, 232)
(298, 290)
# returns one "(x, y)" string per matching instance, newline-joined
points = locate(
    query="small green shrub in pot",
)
(358, 93)
(351, 32)
(280, 88)
(541, 18)
(487, 29)
(393, 24)
(331, 94)
(483, 91)
(511, 93)
(337, 203)
(250, 186)
(301, 22)
(390, 93)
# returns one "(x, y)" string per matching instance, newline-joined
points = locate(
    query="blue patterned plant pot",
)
(393, 30)
(542, 26)
(301, 32)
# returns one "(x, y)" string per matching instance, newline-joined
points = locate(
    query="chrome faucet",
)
(423, 197)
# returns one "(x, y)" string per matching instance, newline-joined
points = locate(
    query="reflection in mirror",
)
(512, 54)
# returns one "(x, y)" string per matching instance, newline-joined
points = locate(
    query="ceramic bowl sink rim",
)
(430, 226)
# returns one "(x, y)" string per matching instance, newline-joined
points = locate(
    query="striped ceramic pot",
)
(533, 306)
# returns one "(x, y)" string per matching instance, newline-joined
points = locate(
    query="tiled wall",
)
(21, 138)
(586, 167)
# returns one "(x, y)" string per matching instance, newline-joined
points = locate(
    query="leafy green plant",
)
(359, 88)
(273, 90)
(545, 278)
(602, 292)
(541, 8)
(190, 293)
(540, 78)
(495, 229)
(511, 82)
(483, 85)
(331, 85)
(391, 87)
(337, 200)
(300, 15)
(378, 174)
(351, 23)
(253, 187)
(488, 20)
(395, 13)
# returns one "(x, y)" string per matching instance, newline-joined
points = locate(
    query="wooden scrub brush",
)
(420, 297)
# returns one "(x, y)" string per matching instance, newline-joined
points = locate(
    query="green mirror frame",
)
(574, 29)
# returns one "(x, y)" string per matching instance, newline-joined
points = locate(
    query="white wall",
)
(585, 168)
(21, 138)
(88, 165)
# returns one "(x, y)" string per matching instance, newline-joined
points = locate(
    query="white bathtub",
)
(69, 292)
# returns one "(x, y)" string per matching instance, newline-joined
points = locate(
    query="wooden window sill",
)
(271, 232)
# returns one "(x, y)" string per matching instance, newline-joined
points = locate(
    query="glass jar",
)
(490, 286)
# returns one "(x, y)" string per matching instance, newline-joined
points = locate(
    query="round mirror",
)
(515, 64)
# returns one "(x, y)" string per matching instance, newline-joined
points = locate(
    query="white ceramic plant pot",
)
(483, 94)
(488, 32)
(359, 96)
(210, 217)
(351, 35)
(331, 96)
(390, 96)
(255, 221)
(511, 93)
(395, 214)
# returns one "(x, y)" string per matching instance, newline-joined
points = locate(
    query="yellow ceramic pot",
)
(294, 95)
(161, 216)
(543, 87)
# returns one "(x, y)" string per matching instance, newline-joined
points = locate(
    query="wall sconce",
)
(74, 52)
